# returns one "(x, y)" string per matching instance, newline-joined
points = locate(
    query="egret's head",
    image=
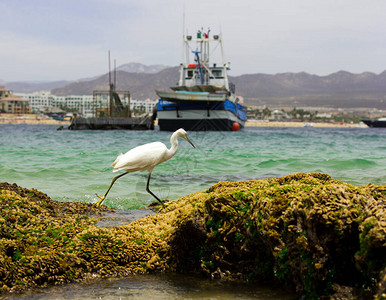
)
(182, 133)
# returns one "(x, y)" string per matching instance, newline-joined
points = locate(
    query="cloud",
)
(70, 39)
(29, 59)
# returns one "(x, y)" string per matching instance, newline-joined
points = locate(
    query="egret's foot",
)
(100, 201)
(155, 205)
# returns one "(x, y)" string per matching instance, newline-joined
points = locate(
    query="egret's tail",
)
(116, 160)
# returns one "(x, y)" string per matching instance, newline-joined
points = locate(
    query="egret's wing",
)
(140, 158)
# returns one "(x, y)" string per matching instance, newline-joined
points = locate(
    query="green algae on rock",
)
(307, 231)
(36, 234)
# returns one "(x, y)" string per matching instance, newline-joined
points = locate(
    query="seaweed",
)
(320, 236)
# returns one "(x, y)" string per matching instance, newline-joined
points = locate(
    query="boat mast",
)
(111, 85)
(115, 73)
(181, 81)
(225, 66)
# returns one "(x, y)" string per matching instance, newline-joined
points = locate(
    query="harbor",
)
(236, 151)
(33, 119)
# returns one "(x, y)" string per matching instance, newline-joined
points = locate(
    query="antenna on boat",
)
(183, 20)
(109, 71)
(183, 46)
(115, 73)
(224, 63)
(111, 88)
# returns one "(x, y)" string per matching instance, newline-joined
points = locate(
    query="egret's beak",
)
(186, 138)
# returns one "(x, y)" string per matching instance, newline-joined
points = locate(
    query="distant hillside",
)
(298, 84)
(340, 89)
(140, 68)
(140, 85)
(30, 87)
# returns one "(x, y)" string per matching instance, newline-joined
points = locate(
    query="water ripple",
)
(74, 165)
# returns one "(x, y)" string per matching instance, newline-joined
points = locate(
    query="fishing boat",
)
(111, 110)
(381, 122)
(204, 99)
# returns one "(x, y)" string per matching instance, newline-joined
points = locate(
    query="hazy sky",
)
(69, 39)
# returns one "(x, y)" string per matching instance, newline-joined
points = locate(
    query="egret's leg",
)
(150, 192)
(104, 196)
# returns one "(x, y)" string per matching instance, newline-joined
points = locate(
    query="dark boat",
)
(110, 113)
(203, 99)
(79, 123)
(111, 110)
(378, 123)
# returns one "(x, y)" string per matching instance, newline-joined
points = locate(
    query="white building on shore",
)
(38, 101)
(143, 105)
(83, 104)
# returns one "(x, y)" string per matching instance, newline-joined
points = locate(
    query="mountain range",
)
(340, 89)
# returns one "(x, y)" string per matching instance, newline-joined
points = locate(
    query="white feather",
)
(145, 158)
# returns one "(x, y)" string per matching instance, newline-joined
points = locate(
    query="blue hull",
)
(200, 115)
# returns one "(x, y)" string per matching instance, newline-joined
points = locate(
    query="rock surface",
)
(320, 236)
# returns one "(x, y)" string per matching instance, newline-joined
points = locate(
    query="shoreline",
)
(32, 119)
(302, 124)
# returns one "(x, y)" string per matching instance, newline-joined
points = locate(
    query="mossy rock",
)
(306, 231)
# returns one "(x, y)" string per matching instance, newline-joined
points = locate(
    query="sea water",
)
(76, 165)
(156, 286)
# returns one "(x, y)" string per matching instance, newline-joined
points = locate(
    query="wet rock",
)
(319, 236)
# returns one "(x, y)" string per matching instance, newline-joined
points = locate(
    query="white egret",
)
(145, 158)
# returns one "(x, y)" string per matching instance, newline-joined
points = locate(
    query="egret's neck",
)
(174, 143)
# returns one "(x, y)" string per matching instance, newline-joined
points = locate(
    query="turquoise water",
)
(74, 165)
